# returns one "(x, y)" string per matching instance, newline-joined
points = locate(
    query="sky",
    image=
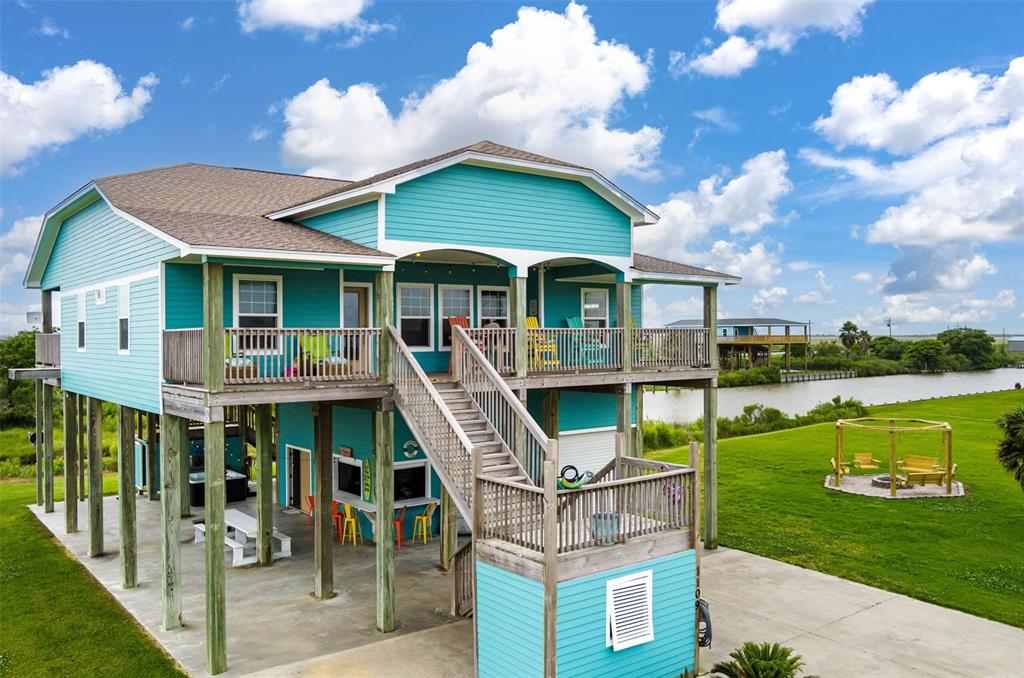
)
(851, 160)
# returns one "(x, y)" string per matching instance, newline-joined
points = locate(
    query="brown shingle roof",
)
(207, 205)
(485, 147)
(649, 264)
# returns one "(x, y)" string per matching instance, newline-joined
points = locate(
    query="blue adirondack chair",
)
(591, 352)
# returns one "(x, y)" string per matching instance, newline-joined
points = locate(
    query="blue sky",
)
(852, 160)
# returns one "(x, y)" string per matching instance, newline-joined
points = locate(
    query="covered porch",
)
(272, 618)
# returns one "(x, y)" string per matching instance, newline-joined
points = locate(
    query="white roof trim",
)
(639, 213)
(648, 276)
(288, 255)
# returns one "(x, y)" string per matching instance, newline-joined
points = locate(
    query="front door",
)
(356, 308)
(298, 479)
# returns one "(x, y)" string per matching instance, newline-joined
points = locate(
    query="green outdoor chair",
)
(591, 352)
(317, 350)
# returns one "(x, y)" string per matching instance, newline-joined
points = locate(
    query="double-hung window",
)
(594, 304)
(493, 303)
(80, 318)
(123, 314)
(258, 306)
(456, 301)
(416, 316)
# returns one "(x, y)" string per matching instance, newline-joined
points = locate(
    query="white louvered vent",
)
(629, 610)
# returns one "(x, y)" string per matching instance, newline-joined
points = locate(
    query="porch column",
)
(47, 448)
(384, 308)
(550, 423)
(638, 432)
(624, 319)
(174, 442)
(152, 485)
(264, 485)
(449, 529)
(517, 303)
(94, 424)
(80, 409)
(711, 426)
(39, 441)
(323, 525)
(215, 496)
(624, 416)
(70, 462)
(126, 495)
(788, 345)
(383, 527)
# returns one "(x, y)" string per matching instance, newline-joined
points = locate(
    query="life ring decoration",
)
(411, 449)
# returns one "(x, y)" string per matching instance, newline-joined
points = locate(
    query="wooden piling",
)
(264, 485)
(152, 485)
(94, 425)
(47, 448)
(711, 426)
(383, 531)
(323, 523)
(39, 442)
(70, 462)
(449, 530)
(892, 459)
(215, 496)
(550, 568)
(80, 409)
(126, 495)
(174, 440)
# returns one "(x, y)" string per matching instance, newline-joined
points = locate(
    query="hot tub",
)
(236, 487)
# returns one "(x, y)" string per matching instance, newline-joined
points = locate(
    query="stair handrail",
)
(471, 363)
(461, 478)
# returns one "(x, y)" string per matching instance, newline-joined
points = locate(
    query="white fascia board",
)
(333, 202)
(669, 278)
(286, 255)
(638, 212)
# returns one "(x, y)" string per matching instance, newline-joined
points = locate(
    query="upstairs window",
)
(595, 307)
(123, 313)
(258, 301)
(629, 610)
(416, 316)
(493, 306)
(80, 317)
(455, 301)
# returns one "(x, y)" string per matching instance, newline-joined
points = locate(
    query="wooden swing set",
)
(917, 469)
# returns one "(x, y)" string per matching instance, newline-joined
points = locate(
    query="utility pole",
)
(888, 323)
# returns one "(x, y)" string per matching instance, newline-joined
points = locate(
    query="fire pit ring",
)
(884, 481)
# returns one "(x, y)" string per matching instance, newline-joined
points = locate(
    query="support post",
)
(947, 444)
(384, 308)
(711, 426)
(213, 326)
(551, 402)
(449, 530)
(839, 455)
(47, 448)
(126, 495)
(94, 419)
(39, 442)
(323, 525)
(551, 565)
(152, 486)
(264, 485)
(216, 607)
(185, 465)
(624, 416)
(638, 432)
(174, 443)
(517, 287)
(70, 462)
(695, 542)
(81, 408)
(788, 345)
(383, 529)
(624, 313)
(892, 460)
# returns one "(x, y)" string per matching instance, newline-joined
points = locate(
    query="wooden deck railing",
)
(519, 432)
(48, 349)
(671, 347)
(276, 356)
(635, 498)
(570, 349)
(463, 580)
(498, 344)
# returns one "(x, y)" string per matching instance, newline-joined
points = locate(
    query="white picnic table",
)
(240, 528)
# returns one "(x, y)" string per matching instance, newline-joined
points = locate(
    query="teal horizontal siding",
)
(357, 223)
(637, 304)
(470, 205)
(582, 618)
(95, 244)
(100, 371)
(311, 297)
(183, 294)
(509, 623)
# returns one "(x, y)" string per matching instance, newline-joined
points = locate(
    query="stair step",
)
(473, 425)
(481, 436)
(497, 468)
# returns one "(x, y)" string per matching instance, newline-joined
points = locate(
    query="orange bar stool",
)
(400, 527)
(424, 524)
(312, 509)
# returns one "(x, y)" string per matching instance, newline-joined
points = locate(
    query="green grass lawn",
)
(965, 553)
(55, 619)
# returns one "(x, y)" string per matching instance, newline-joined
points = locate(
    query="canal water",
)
(684, 406)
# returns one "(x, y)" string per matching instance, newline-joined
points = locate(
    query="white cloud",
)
(823, 282)
(545, 82)
(800, 265)
(68, 102)
(718, 116)
(310, 17)
(219, 83)
(758, 265)
(775, 25)
(965, 273)
(935, 308)
(819, 295)
(51, 30)
(16, 245)
(767, 299)
(188, 23)
(258, 133)
(744, 204)
(863, 277)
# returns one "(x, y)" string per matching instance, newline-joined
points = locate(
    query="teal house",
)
(464, 333)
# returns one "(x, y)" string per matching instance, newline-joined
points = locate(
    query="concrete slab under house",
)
(446, 348)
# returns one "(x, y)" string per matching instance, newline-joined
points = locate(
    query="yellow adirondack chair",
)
(864, 460)
(914, 463)
(542, 351)
(317, 350)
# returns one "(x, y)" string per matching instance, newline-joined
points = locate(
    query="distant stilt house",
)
(456, 331)
(749, 342)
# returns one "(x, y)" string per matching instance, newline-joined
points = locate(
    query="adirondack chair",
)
(542, 350)
(316, 351)
(914, 463)
(934, 477)
(237, 361)
(864, 460)
(590, 352)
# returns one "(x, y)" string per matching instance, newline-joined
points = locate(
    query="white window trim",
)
(238, 277)
(124, 291)
(81, 316)
(101, 296)
(607, 305)
(441, 316)
(427, 494)
(430, 323)
(494, 288)
(351, 461)
(341, 301)
(645, 577)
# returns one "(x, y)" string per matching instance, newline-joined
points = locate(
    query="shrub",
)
(1010, 450)
(768, 374)
(659, 435)
(764, 660)
(876, 367)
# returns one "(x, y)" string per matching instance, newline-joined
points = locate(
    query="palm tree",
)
(1010, 450)
(863, 341)
(848, 336)
(765, 660)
